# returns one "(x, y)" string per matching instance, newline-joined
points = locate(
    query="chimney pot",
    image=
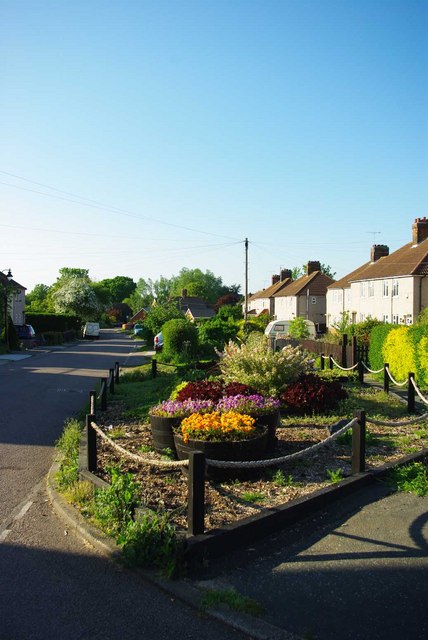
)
(313, 265)
(275, 278)
(378, 251)
(419, 230)
(285, 273)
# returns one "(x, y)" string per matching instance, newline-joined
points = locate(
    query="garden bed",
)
(231, 501)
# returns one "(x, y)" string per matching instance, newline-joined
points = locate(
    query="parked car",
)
(27, 335)
(138, 329)
(91, 330)
(158, 341)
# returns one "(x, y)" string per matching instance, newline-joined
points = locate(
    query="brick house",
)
(263, 301)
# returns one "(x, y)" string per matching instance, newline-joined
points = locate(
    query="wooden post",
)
(103, 394)
(196, 500)
(116, 372)
(344, 345)
(360, 372)
(330, 362)
(92, 402)
(385, 377)
(410, 393)
(91, 444)
(154, 368)
(359, 443)
(111, 381)
(354, 351)
(322, 361)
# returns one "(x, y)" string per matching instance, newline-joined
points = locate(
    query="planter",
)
(162, 432)
(271, 421)
(236, 450)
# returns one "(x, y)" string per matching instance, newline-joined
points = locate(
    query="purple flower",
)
(255, 404)
(177, 409)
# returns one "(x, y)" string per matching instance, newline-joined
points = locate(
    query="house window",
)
(386, 318)
(409, 319)
(385, 288)
(395, 288)
(313, 300)
(394, 319)
(362, 289)
(362, 317)
(371, 288)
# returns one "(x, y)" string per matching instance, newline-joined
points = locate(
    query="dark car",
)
(27, 335)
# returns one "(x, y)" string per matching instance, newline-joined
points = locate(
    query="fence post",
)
(116, 372)
(154, 368)
(385, 377)
(410, 393)
(359, 443)
(360, 372)
(354, 351)
(103, 394)
(91, 444)
(92, 402)
(322, 362)
(330, 362)
(344, 345)
(111, 381)
(196, 499)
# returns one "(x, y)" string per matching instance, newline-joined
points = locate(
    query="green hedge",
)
(377, 338)
(43, 322)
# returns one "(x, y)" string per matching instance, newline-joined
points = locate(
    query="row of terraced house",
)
(391, 287)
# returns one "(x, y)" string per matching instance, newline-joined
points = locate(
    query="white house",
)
(391, 287)
(263, 301)
(15, 294)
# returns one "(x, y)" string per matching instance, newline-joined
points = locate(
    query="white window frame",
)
(395, 288)
(370, 289)
(386, 288)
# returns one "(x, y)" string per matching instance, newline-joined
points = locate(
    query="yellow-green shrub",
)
(399, 352)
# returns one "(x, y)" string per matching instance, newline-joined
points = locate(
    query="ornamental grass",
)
(217, 426)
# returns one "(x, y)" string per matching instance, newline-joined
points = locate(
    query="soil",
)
(234, 499)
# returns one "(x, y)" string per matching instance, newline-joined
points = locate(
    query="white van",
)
(281, 329)
(91, 330)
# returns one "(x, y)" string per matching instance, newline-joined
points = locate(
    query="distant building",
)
(16, 301)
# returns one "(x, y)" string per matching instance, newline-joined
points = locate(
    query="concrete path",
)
(355, 571)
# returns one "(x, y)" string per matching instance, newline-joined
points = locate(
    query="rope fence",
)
(398, 384)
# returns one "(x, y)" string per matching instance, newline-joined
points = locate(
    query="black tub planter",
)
(271, 421)
(237, 450)
(162, 432)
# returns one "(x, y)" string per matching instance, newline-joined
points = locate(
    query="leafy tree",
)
(205, 285)
(227, 300)
(134, 301)
(159, 314)
(37, 299)
(230, 311)
(120, 287)
(76, 296)
(298, 328)
(162, 290)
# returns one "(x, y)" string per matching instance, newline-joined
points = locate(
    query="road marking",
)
(19, 511)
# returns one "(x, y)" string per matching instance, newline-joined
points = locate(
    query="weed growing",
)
(334, 475)
(68, 445)
(235, 601)
(412, 478)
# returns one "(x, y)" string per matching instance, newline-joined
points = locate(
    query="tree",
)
(204, 285)
(159, 314)
(298, 328)
(135, 301)
(298, 272)
(76, 296)
(120, 287)
(37, 299)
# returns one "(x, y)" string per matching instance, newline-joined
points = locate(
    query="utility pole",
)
(246, 281)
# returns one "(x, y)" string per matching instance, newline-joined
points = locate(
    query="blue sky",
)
(142, 137)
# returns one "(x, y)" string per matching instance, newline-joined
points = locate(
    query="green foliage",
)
(180, 340)
(398, 351)
(418, 335)
(281, 480)
(37, 299)
(253, 496)
(255, 364)
(68, 445)
(204, 285)
(159, 314)
(412, 478)
(114, 506)
(362, 330)
(377, 338)
(235, 601)
(151, 541)
(257, 325)
(217, 332)
(119, 288)
(298, 328)
(334, 475)
(76, 296)
(53, 337)
(43, 322)
(344, 324)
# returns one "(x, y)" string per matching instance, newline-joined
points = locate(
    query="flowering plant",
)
(255, 404)
(177, 409)
(217, 426)
(212, 389)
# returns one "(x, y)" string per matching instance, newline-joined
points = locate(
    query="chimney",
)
(313, 265)
(378, 251)
(275, 279)
(285, 273)
(419, 230)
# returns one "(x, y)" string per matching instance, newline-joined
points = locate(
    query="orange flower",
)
(217, 426)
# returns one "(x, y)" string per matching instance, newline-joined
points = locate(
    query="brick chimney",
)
(285, 273)
(378, 251)
(419, 230)
(313, 265)
(275, 278)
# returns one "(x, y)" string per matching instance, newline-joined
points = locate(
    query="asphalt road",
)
(52, 584)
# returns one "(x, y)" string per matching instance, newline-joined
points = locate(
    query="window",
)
(371, 288)
(395, 287)
(313, 300)
(409, 319)
(363, 289)
(386, 318)
(362, 317)
(394, 319)
(385, 288)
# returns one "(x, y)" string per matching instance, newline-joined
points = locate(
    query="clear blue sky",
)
(163, 133)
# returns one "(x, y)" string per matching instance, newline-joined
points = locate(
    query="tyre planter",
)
(271, 421)
(162, 432)
(232, 450)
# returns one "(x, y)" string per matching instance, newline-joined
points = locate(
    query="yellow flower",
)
(217, 426)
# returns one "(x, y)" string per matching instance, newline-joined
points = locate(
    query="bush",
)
(309, 395)
(180, 340)
(53, 337)
(53, 322)
(377, 338)
(114, 506)
(398, 352)
(68, 444)
(217, 332)
(255, 364)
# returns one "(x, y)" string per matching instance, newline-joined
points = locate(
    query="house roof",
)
(317, 283)
(198, 307)
(271, 290)
(200, 311)
(13, 283)
(409, 260)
